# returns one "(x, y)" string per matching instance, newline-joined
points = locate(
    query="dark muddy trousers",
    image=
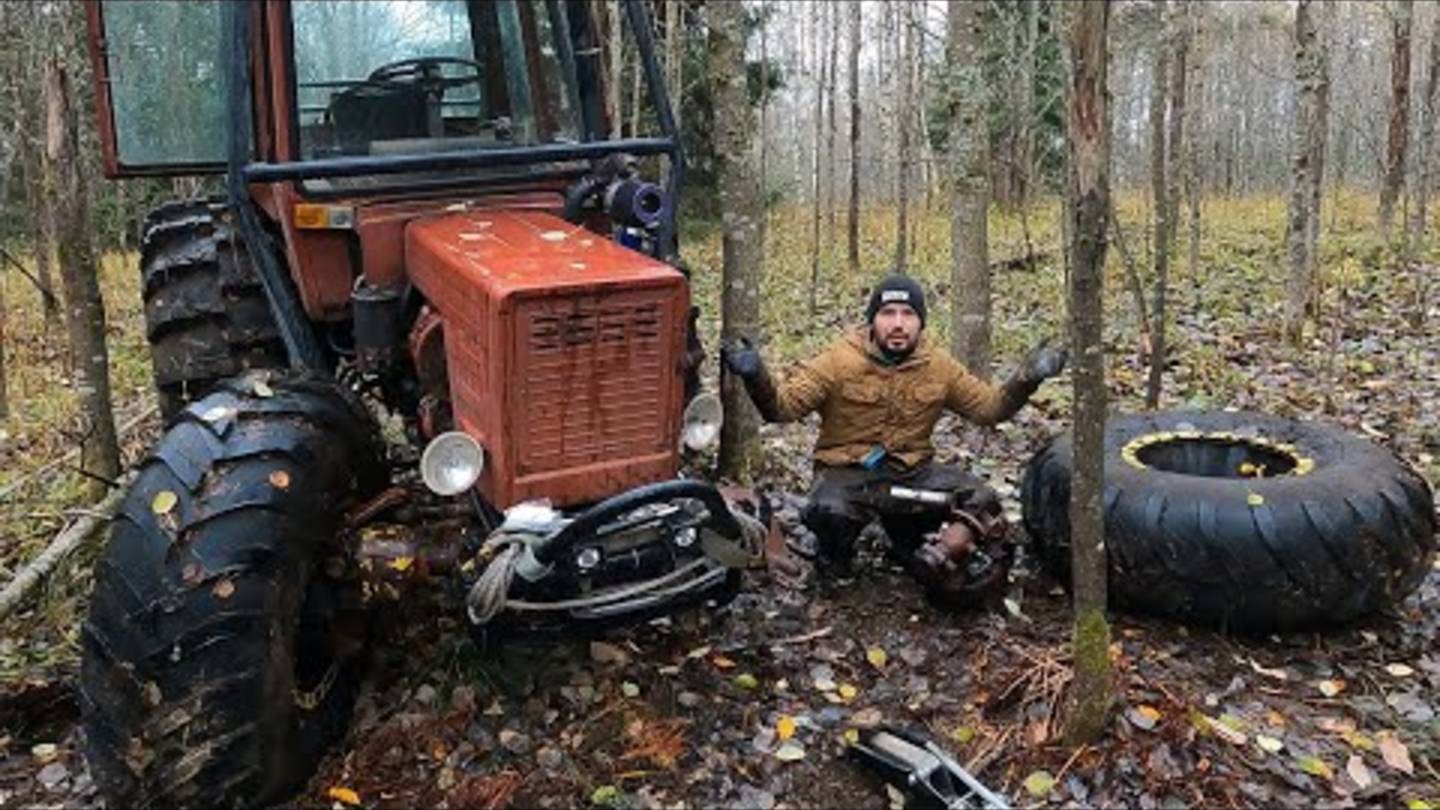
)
(844, 500)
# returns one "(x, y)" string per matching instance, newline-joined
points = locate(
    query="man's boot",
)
(835, 536)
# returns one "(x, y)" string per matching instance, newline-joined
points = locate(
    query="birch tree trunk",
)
(833, 32)
(1167, 191)
(1308, 138)
(817, 165)
(1092, 690)
(84, 309)
(1195, 111)
(740, 212)
(970, 189)
(1425, 176)
(902, 174)
(614, 87)
(852, 225)
(1398, 139)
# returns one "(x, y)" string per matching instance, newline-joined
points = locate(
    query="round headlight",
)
(452, 463)
(701, 426)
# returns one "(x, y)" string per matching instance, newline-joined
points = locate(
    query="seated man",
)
(880, 390)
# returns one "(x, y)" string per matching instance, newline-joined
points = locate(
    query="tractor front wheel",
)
(220, 656)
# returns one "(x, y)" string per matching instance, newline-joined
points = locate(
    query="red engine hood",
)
(563, 349)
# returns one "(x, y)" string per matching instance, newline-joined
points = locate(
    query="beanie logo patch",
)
(887, 296)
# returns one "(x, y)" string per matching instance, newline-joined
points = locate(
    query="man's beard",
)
(893, 355)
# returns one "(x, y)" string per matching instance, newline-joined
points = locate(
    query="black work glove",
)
(743, 359)
(745, 362)
(1044, 362)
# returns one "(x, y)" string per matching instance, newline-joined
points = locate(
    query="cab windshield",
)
(388, 77)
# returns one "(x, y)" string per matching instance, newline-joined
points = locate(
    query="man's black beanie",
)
(896, 288)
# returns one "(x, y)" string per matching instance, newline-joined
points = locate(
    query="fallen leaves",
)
(1039, 783)
(790, 751)
(603, 652)
(1358, 772)
(1270, 745)
(1143, 717)
(1315, 767)
(867, 718)
(344, 795)
(877, 657)
(1225, 727)
(785, 728)
(605, 796)
(1399, 670)
(747, 681)
(1330, 688)
(1394, 752)
(163, 502)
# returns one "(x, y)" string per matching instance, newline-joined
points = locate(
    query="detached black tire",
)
(217, 664)
(1241, 520)
(206, 315)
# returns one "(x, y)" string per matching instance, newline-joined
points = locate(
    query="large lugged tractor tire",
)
(206, 315)
(1243, 521)
(218, 658)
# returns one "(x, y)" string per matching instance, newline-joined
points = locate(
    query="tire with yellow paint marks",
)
(216, 665)
(1243, 521)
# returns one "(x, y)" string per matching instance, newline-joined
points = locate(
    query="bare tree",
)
(1402, 14)
(1195, 113)
(817, 163)
(616, 83)
(84, 310)
(675, 56)
(833, 32)
(1092, 690)
(970, 189)
(1425, 174)
(1309, 138)
(740, 212)
(902, 174)
(1169, 144)
(852, 225)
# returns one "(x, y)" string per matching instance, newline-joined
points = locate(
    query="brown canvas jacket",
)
(863, 402)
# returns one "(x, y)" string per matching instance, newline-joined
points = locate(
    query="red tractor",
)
(424, 225)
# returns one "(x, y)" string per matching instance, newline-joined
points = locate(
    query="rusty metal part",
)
(368, 511)
(427, 351)
(434, 416)
(781, 563)
(966, 560)
(395, 553)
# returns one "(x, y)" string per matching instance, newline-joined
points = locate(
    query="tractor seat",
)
(379, 112)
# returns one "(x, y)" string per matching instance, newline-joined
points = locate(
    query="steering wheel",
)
(425, 71)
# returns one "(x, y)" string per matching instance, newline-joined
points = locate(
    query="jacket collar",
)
(859, 339)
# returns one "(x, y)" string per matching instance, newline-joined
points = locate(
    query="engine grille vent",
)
(593, 379)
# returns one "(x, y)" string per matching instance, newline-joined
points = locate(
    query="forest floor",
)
(689, 712)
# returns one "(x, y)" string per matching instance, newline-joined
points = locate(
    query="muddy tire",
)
(219, 658)
(1242, 520)
(206, 315)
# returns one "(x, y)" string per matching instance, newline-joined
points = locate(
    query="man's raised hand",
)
(742, 358)
(1044, 362)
